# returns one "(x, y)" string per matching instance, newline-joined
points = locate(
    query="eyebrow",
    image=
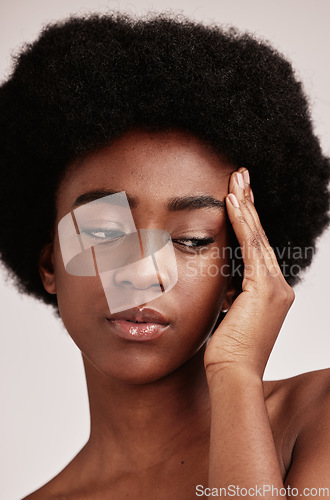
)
(100, 193)
(194, 203)
(174, 204)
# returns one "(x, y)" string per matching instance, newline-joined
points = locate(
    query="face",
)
(177, 184)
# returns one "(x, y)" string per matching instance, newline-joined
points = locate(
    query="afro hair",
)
(87, 80)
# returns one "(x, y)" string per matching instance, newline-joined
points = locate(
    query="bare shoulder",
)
(307, 391)
(71, 483)
(48, 491)
(296, 407)
(59, 486)
(42, 493)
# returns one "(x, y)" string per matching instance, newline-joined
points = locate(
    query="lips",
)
(136, 325)
(140, 316)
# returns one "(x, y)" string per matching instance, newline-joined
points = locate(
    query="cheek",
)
(78, 297)
(202, 284)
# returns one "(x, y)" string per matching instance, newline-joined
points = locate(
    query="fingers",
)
(249, 205)
(257, 253)
(245, 232)
(248, 208)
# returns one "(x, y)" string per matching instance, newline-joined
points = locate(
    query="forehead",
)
(153, 166)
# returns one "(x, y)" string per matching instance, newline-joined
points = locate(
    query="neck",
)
(134, 426)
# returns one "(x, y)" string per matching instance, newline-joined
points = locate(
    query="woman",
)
(178, 119)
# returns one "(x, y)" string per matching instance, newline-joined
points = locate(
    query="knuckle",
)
(240, 219)
(290, 295)
(253, 240)
(281, 294)
(263, 233)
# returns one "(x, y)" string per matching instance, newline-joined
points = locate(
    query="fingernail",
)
(233, 200)
(240, 180)
(251, 195)
(246, 176)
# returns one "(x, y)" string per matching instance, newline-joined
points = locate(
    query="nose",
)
(140, 275)
(143, 280)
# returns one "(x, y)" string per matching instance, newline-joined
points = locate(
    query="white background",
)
(44, 408)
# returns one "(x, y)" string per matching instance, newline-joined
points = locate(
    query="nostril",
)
(139, 275)
(126, 284)
(129, 284)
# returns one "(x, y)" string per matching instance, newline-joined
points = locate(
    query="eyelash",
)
(183, 242)
(106, 239)
(198, 242)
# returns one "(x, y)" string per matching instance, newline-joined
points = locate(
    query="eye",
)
(194, 242)
(104, 235)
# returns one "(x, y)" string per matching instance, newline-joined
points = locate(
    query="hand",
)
(246, 336)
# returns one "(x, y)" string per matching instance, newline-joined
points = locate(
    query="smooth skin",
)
(173, 413)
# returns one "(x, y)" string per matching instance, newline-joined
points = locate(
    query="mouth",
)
(138, 325)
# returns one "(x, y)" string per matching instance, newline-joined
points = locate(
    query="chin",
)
(138, 369)
(137, 375)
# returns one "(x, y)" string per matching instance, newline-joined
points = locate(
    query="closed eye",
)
(194, 242)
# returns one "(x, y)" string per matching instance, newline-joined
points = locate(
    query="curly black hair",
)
(87, 80)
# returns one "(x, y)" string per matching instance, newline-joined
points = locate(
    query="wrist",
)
(220, 373)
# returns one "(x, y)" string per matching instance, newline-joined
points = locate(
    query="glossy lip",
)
(138, 325)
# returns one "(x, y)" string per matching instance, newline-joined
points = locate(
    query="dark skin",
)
(150, 402)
